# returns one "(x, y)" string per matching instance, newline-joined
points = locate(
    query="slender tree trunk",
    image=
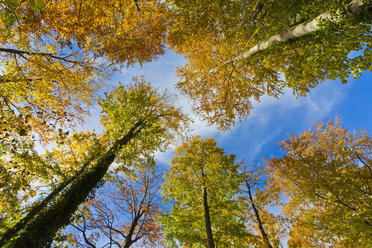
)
(128, 239)
(208, 225)
(259, 222)
(300, 30)
(40, 231)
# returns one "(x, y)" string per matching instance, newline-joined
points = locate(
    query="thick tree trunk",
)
(300, 30)
(40, 206)
(259, 222)
(208, 225)
(32, 213)
(40, 231)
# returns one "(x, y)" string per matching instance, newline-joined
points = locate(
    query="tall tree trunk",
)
(40, 231)
(300, 30)
(259, 222)
(37, 207)
(208, 225)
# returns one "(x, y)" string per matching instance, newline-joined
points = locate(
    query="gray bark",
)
(298, 31)
(259, 222)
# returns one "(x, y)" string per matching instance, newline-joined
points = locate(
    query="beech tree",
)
(56, 54)
(136, 118)
(26, 174)
(326, 172)
(201, 185)
(233, 50)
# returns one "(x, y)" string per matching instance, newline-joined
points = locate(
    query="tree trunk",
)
(40, 231)
(36, 208)
(259, 222)
(208, 225)
(300, 30)
(128, 239)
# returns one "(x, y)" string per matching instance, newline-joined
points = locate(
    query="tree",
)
(122, 213)
(327, 173)
(136, 118)
(43, 85)
(255, 199)
(201, 186)
(24, 167)
(126, 31)
(232, 48)
(56, 54)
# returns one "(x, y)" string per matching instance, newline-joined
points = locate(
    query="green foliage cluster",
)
(200, 165)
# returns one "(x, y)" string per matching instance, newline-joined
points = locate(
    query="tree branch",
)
(297, 31)
(22, 53)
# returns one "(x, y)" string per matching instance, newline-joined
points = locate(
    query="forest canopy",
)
(63, 184)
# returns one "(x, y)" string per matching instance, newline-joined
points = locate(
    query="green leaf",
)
(12, 3)
(37, 5)
(8, 18)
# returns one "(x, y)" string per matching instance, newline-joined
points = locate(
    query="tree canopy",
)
(123, 212)
(327, 173)
(232, 50)
(130, 112)
(57, 54)
(202, 214)
(56, 57)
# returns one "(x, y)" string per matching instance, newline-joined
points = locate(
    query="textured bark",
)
(300, 30)
(32, 213)
(40, 231)
(40, 206)
(259, 222)
(208, 225)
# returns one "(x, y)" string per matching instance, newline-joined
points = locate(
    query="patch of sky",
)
(270, 120)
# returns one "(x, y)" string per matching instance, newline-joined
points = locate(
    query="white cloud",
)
(163, 158)
(321, 102)
(269, 118)
(259, 145)
(272, 118)
(162, 75)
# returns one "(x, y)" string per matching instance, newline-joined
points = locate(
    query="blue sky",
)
(271, 120)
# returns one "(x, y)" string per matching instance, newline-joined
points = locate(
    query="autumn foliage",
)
(124, 217)
(327, 173)
(213, 34)
(63, 186)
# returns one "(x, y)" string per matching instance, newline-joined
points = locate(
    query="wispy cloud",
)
(162, 75)
(269, 120)
(272, 118)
